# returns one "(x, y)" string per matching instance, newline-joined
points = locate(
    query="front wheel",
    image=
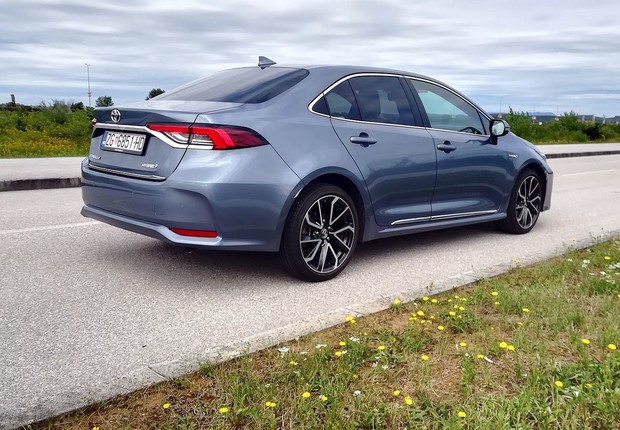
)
(320, 234)
(524, 205)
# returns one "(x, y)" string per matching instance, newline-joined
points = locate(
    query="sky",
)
(534, 56)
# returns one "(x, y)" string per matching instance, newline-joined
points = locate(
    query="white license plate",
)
(123, 142)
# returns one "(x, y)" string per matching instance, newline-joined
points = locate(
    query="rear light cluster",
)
(211, 136)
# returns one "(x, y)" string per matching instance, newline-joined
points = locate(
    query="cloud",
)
(530, 55)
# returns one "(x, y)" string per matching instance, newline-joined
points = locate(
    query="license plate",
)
(123, 142)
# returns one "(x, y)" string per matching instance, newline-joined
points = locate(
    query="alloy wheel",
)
(528, 202)
(327, 234)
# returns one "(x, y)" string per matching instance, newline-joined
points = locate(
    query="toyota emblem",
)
(115, 115)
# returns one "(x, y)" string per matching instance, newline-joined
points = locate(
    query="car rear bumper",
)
(243, 195)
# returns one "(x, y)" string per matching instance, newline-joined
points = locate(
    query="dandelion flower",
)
(585, 341)
(495, 294)
(323, 398)
(479, 356)
(223, 410)
(95, 428)
(462, 344)
(440, 327)
(397, 393)
(503, 345)
(270, 404)
(397, 302)
(408, 401)
(461, 308)
(461, 414)
(420, 313)
(612, 346)
(166, 405)
(452, 313)
(525, 310)
(607, 257)
(349, 318)
(342, 343)
(559, 384)
(381, 347)
(510, 347)
(355, 376)
(425, 298)
(519, 323)
(305, 394)
(588, 386)
(434, 301)
(424, 357)
(338, 353)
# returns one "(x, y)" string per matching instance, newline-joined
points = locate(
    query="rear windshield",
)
(246, 85)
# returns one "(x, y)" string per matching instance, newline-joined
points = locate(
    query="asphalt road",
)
(88, 311)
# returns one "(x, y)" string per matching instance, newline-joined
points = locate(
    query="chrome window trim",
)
(128, 174)
(157, 134)
(443, 217)
(393, 75)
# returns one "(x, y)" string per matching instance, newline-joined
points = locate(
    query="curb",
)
(581, 154)
(49, 183)
(39, 184)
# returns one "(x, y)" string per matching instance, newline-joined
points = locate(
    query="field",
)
(536, 348)
(56, 130)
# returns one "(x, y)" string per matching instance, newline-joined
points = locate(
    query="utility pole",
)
(88, 75)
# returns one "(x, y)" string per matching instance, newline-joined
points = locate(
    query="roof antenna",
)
(265, 62)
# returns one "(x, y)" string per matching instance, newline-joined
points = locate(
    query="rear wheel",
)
(525, 204)
(320, 234)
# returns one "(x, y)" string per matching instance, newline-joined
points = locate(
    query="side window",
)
(341, 102)
(446, 110)
(382, 99)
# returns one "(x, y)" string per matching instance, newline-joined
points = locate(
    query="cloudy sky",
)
(546, 55)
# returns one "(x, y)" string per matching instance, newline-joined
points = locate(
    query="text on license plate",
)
(123, 142)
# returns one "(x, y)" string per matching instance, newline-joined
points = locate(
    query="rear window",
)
(246, 85)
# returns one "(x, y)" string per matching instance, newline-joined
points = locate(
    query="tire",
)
(320, 234)
(525, 204)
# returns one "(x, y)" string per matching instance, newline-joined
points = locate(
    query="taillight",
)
(211, 136)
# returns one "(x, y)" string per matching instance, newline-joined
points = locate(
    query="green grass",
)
(532, 349)
(56, 130)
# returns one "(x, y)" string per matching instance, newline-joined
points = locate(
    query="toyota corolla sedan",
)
(307, 162)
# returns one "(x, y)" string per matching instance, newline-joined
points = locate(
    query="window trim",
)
(421, 111)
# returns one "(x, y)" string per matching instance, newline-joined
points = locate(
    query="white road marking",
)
(49, 227)
(590, 173)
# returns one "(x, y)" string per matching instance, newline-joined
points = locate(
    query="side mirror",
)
(499, 127)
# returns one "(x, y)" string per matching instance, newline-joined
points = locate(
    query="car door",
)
(373, 118)
(471, 171)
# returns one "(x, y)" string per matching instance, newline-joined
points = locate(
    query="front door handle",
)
(446, 147)
(363, 139)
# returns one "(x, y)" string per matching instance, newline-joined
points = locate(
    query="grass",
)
(56, 130)
(532, 349)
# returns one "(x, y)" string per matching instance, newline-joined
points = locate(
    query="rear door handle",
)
(446, 147)
(363, 139)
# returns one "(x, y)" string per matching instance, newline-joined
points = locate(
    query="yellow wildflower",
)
(612, 346)
(425, 298)
(559, 384)
(397, 393)
(494, 293)
(270, 404)
(440, 327)
(408, 401)
(305, 394)
(223, 410)
(342, 343)
(381, 347)
(166, 405)
(607, 257)
(461, 414)
(434, 301)
(525, 310)
(503, 345)
(338, 353)
(323, 398)
(480, 356)
(462, 344)
(420, 313)
(585, 341)
(424, 357)
(452, 313)
(397, 302)
(510, 347)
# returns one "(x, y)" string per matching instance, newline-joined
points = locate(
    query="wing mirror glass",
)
(499, 127)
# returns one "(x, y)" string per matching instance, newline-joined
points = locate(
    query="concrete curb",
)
(581, 154)
(49, 183)
(39, 184)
